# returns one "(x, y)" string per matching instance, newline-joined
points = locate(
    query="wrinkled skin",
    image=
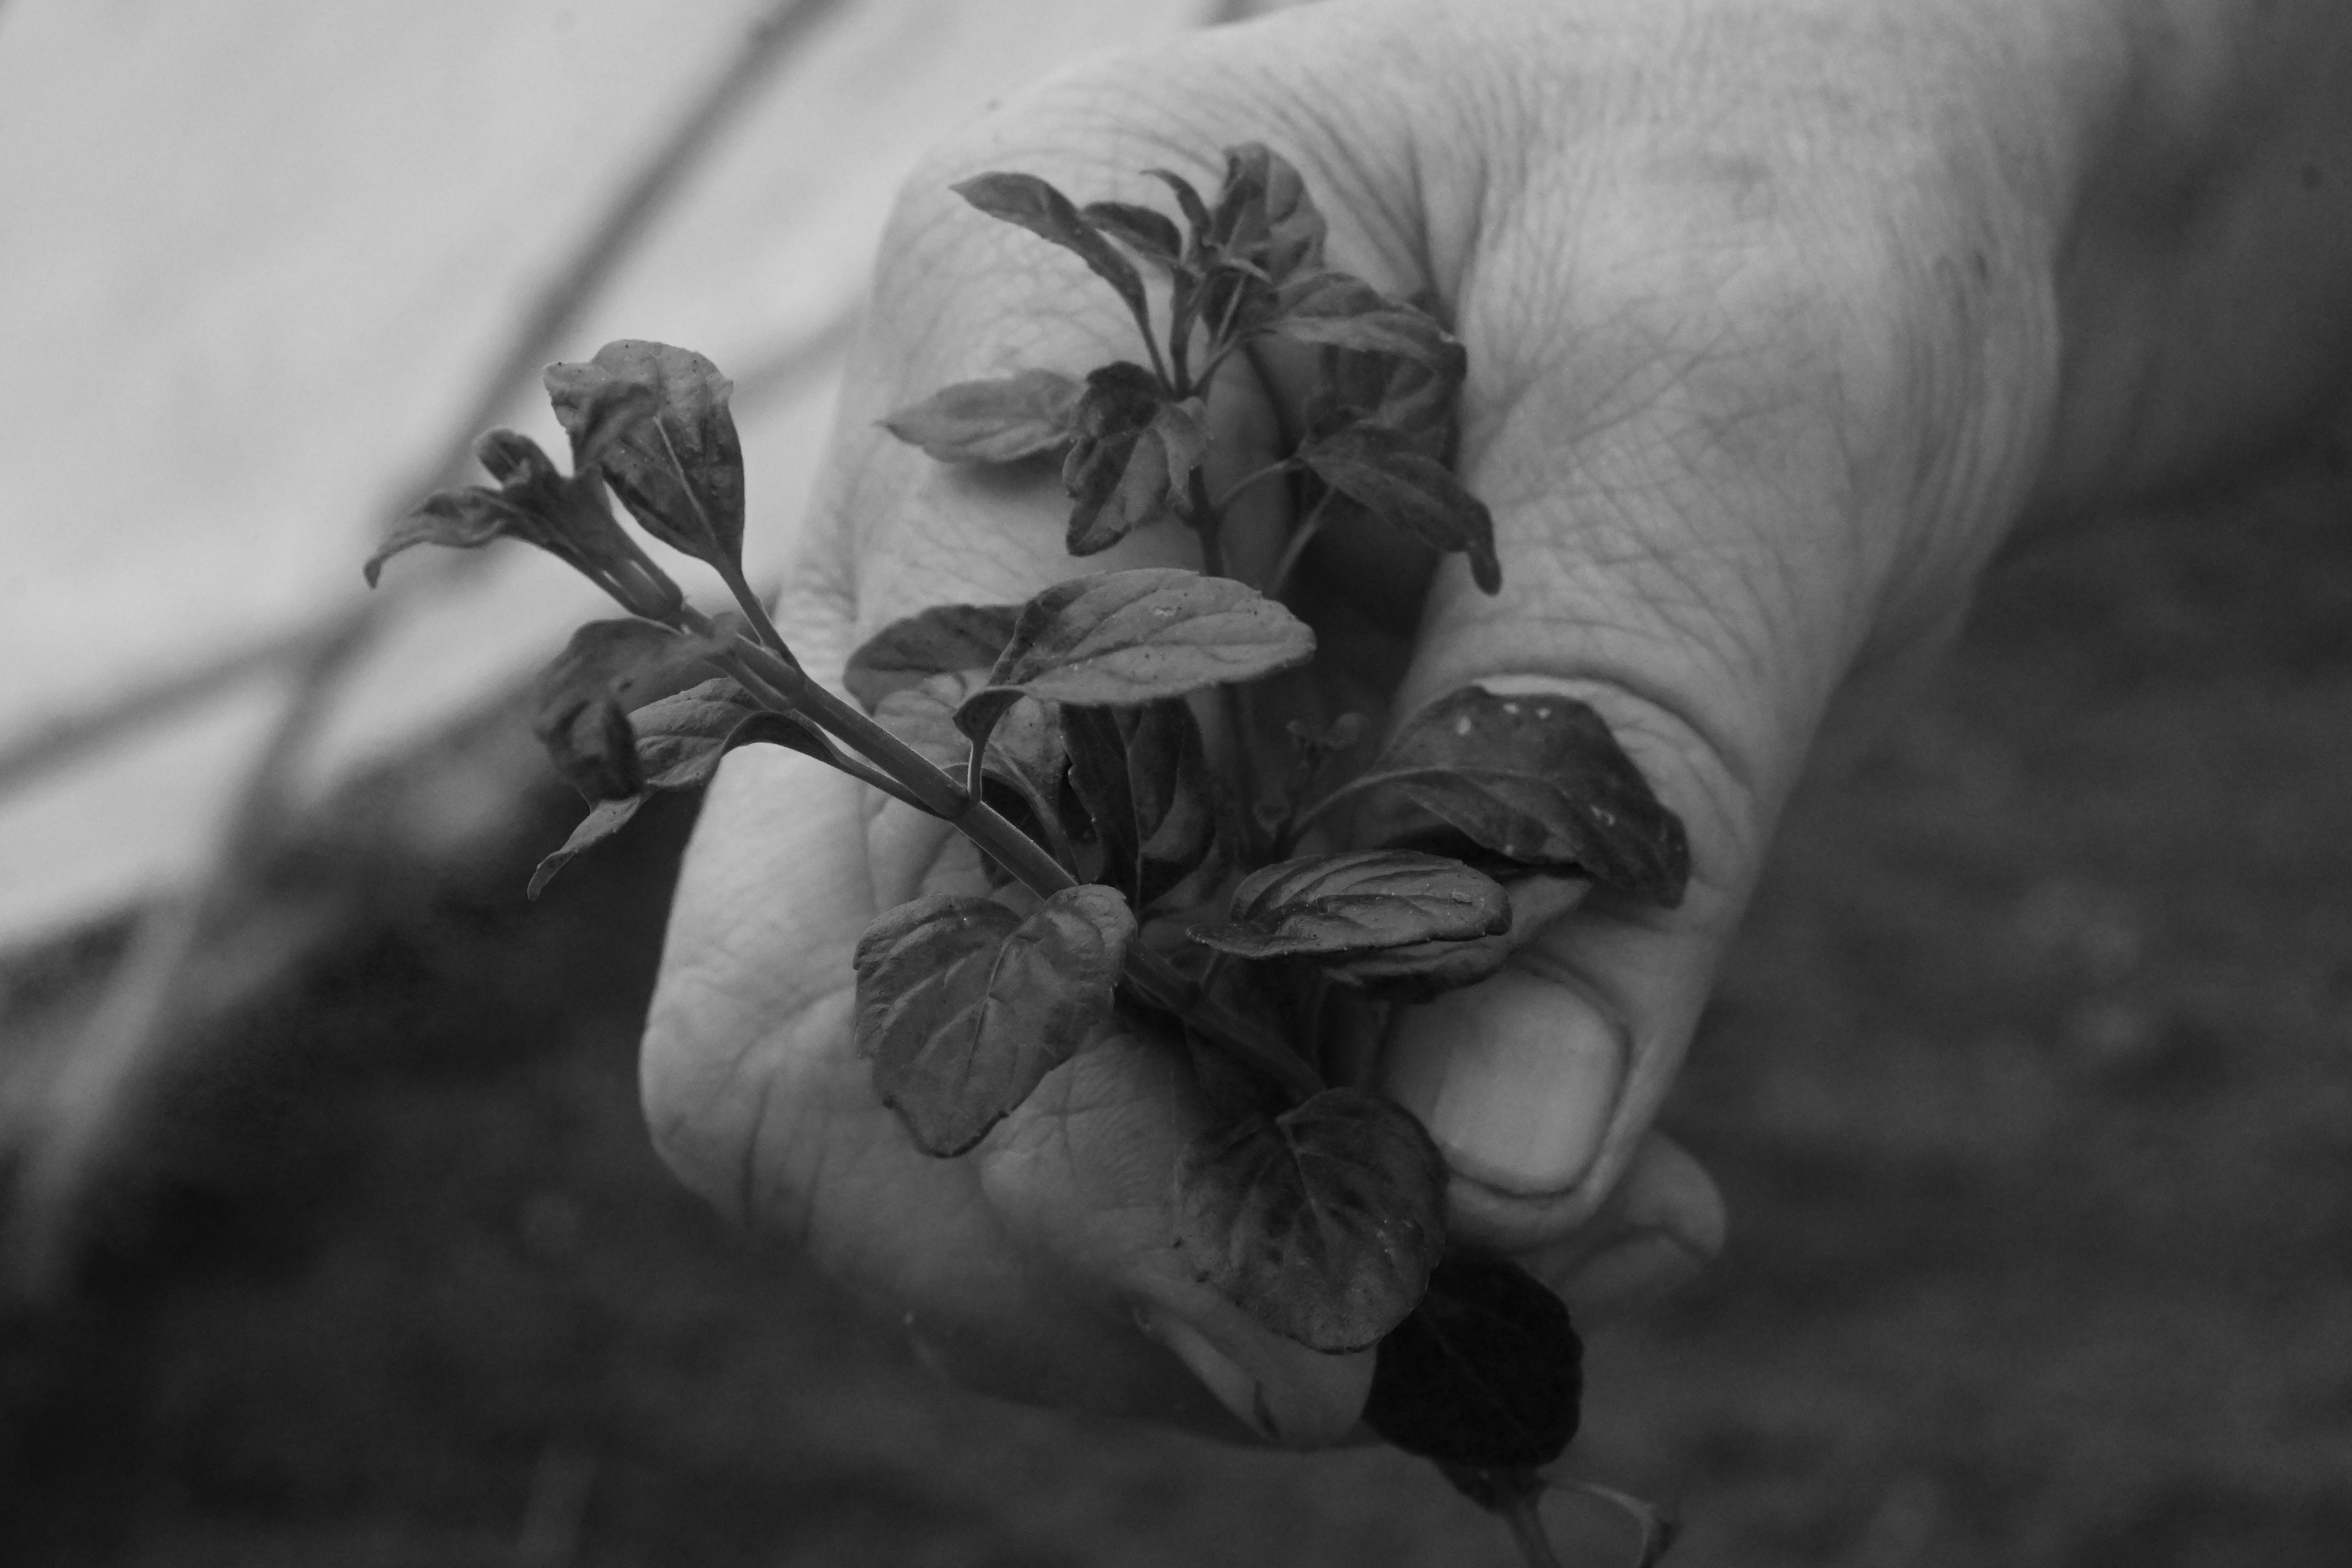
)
(1781, 318)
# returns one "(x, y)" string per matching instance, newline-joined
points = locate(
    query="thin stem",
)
(1207, 522)
(1528, 1529)
(1238, 486)
(1295, 547)
(1159, 365)
(757, 614)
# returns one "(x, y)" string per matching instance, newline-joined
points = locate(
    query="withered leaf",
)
(1535, 780)
(1033, 205)
(654, 420)
(679, 741)
(582, 700)
(964, 1006)
(1486, 1374)
(1024, 414)
(564, 515)
(944, 638)
(1381, 470)
(1322, 1223)
(1355, 901)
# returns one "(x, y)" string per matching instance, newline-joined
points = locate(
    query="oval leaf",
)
(1356, 901)
(1033, 205)
(1538, 781)
(1149, 234)
(1420, 970)
(964, 1006)
(654, 420)
(944, 638)
(1380, 470)
(1137, 636)
(1001, 420)
(1486, 1374)
(1322, 1223)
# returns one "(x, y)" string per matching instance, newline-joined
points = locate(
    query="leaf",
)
(1142, 774)
(679, 741)
(1537, 780)
(1264, 214)
(1130, 456)
(1136, 636)
(1343, 311)
(964, 1006)
(1322, 1223)
(1420, 970)
(1034, 206)
(1000, 421)
(1196, 211)
(602, 820)
(582, 700)
(944, 638)
(1487, 1372)
(1147, 233)
(676, 464)
(461, 520)
(1378, 469)
(1356, 901)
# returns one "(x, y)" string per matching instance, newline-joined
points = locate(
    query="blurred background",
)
(332, 1231)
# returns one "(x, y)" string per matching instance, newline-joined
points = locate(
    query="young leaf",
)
(1486, 1374)
(1343, 311)
(1143, 231)
(1021, 776)
(1356, 901)
(1021, 415)
(1537, 780)
(1034, 206)
(964, 1006)
(678, 464)
(944, 638)
(1322, 1223)
(1141, 775)
(1136, 636)
(1275, 222)
(1188, 200)
(564, 515)
(1420, 970)
(1129, 458)
(1378, 469)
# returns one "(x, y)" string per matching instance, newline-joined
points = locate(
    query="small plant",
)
(1257, 916)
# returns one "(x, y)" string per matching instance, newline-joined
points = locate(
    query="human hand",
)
(1764, 311)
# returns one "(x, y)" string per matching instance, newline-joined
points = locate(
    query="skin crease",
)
(1781, 319)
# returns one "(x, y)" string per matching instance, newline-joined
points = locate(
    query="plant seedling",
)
(1257, 916)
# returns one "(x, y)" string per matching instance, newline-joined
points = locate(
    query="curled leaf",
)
(1357, 902)
(964, 1006)
(1487, 1372)
(1537, 780)
(654, 420)
(583, 699)
(1322, 1223)
(1024, 414)
(944, 638)
(1032, 204)
(564, 515)
(1380, 470)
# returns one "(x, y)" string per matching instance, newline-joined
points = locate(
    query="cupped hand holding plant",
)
(1615, 382)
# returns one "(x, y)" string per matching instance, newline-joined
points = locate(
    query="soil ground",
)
(2030, 1088)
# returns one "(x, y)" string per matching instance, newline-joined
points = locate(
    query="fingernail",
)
(1641, 1267)
(1516, 1080)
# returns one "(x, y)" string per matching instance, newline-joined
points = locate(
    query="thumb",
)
(1715, 499)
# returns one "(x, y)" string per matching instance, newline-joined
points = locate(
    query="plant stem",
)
(1528, 1529)
(786, 689)
(1283, 467)
(757, 614)
(1295, 547)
